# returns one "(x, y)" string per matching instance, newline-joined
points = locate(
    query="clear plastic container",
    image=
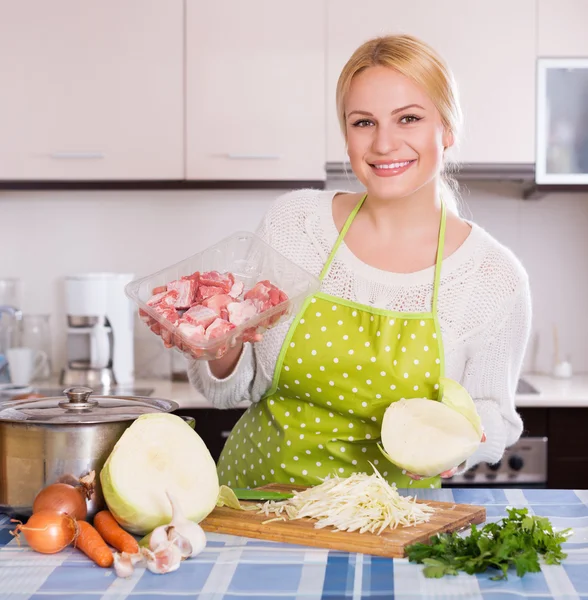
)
(250, 260)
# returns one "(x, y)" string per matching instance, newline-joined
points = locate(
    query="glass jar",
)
(10, 295)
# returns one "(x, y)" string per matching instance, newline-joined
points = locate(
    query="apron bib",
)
(340, 367)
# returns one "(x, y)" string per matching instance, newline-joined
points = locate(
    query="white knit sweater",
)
(484, 310)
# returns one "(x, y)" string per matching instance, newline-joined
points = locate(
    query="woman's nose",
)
(386, 140)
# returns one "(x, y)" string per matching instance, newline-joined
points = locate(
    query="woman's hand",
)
(446, 474)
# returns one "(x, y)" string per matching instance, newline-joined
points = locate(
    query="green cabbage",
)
(158, 452)
(427, 437)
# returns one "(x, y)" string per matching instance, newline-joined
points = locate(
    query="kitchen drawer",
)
(214, 425)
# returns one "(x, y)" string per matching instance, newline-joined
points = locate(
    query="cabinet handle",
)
(225, 434)
(67, 155)
(253, 156)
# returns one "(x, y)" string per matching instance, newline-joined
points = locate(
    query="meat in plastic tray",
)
(230, 292)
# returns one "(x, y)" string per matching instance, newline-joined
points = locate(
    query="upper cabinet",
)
(561, 28)
(91, 90)
(255, 77)
(490, 47)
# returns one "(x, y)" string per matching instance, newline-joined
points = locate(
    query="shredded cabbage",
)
(361, 502)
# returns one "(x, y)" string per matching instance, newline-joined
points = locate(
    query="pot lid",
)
(77, 407)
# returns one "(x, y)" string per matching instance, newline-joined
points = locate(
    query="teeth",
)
(396, 165)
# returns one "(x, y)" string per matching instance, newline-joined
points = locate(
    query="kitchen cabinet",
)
(567, 451)
(561, 28)
(489, 46)
(213, 425)
(255, 74)
(91, 90)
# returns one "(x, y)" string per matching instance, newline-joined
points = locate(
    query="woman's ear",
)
(448, 139)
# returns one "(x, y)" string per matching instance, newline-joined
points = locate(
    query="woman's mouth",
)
(390, 169)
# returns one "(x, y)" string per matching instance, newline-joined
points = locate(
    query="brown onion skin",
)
(62, 498)
(48, 531)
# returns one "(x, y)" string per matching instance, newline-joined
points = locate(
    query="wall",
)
(46, 235)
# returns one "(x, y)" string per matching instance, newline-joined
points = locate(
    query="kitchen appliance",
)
(562, 121)
(45, 440)
(448, 516)
(523, 465)
(100, 346)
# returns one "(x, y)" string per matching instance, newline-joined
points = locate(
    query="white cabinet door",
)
(490, 47)
(91, 90)
(562, 28)
(255, 90)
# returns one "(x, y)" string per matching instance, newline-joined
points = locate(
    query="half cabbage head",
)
(158, 452)
(427, 437)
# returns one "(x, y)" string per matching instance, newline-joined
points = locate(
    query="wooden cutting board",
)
(392, 543)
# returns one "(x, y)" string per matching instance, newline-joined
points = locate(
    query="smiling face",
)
(395, 136)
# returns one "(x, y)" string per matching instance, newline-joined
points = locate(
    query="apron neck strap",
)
(439, 259)
(341, 236)
(440, 248)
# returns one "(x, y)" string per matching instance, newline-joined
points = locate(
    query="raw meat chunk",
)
(206, 291)
(156, 298)
(191, 332)
(158, 290)
(195, 276)
(239, 312)
(200, 315)
(216, 279)
(186, 289)
(166, 298)
(218, 328)
(237, 289)
(219, 304)
(168, 312)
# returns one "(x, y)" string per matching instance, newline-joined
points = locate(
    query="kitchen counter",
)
(241, 568)
(560, 393)
(563, 393)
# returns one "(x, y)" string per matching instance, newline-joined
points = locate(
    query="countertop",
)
(238, 568)
(571, 392)
(552, 392)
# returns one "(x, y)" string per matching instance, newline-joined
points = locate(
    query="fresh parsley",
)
(515, 541)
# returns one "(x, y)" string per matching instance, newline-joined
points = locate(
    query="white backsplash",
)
(47, 235)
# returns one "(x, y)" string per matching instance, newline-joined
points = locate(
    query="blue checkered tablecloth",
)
(236, 568)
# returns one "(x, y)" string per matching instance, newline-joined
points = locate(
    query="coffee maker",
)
(100, 319)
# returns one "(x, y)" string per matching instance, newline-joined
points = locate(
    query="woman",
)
(410, 292)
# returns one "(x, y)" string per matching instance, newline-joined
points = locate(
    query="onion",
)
(47, 531)
(62, 498)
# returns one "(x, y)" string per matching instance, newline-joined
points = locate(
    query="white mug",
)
(25, 364)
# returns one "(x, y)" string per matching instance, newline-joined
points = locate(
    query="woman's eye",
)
(410, 119)
(363, 123)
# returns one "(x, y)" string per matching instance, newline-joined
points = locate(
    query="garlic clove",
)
(189, 530)
(158, 537)
(123, 565)
(165, 560)
(182, 543)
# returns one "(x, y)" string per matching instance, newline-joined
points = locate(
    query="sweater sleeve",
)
(491, 375)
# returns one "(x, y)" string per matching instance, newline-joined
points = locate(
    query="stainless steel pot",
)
(45, 440)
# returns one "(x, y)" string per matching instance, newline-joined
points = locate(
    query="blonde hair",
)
(420, 63)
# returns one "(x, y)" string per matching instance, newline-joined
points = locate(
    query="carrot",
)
(90, 542)
(114, 534)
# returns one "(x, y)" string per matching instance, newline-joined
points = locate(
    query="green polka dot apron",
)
(340, 367)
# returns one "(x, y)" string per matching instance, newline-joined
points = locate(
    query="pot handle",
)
(190, 420)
